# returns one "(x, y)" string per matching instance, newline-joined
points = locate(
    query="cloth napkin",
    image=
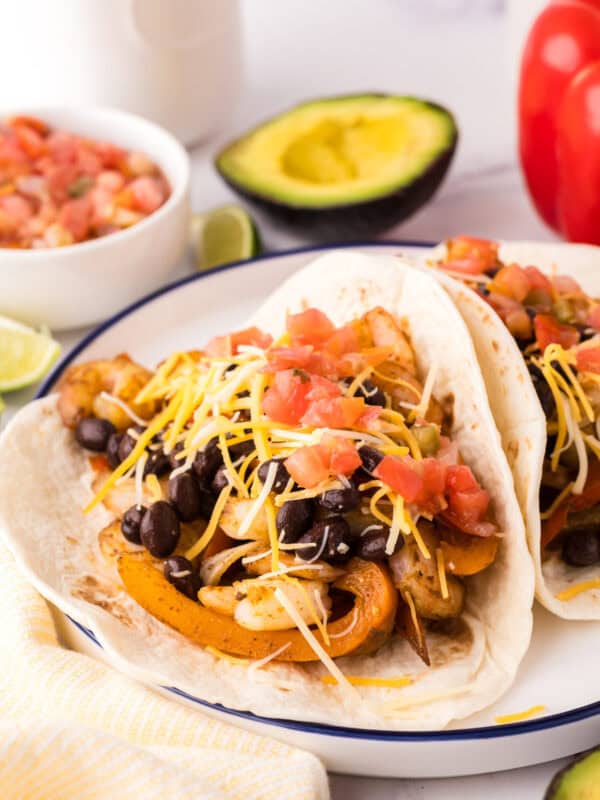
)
(71, 728)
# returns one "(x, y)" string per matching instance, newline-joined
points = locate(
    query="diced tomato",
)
(307, 466)
(343, 340)
(75, 215)
(470, 505)
(549, 331)
(588, 359)
(400, 474)
(481, 528)
(368, 420)
(511, 281)
(460, 478)
(34, 123)
(59, 177)
(286, 399)
(334, 412)
(147, 194)
(471, 255)
(431, 497)
(228, 345)
(342, 455)
(62, 147)
(310, 327)
(300, 357)
(17, 208)
(321, 388)
(519, 323)
(112, 157)
(564, 284)
(537, 279)
(30, 140)
(593, 319)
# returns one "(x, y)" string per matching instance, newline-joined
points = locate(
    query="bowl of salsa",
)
(94, 208)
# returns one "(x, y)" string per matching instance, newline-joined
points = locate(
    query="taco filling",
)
(301, 499)
(556, 325)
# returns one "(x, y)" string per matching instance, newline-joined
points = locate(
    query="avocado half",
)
(578, 781)
(343, 167)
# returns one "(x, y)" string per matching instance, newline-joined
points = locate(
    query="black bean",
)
(282, 476)
(112, 450)
(585, 332)
(340, 500)
(370, 457)
(371, 546)
(293, 519)
(174, 461)
(206, 462)
(337, 545)
(157, 463)
(544, 392)
(93, 433)
(160, 529)
(184, 494)
(219, 482)
(371, 394)
(126, 446)
(242, 449)
(131, 523)
(180, 572)
(581, 548)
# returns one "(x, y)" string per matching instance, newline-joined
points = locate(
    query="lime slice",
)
(222, 236)
(25, 355)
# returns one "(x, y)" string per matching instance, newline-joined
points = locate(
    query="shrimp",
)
(81, 388)
(417, 575)
(221, 599)
(318, 569)
(259, 610)
(386, 332)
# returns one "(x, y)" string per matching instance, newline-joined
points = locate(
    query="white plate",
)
(559, 672)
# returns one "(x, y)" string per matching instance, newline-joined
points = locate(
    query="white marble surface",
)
(452, 51)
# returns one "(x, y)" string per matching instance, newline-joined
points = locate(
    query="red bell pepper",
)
(559, 117)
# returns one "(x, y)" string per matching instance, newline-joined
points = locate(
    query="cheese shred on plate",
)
(519, 716)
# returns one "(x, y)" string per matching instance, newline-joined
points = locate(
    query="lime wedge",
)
(25, 355)
(223, 235)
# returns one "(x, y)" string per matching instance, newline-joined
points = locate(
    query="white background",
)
(455, 52)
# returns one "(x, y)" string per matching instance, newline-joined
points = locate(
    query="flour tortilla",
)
(45, 481)
(517, 410)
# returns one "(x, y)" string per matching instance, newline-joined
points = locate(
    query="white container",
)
(176, 62)
(67, 287)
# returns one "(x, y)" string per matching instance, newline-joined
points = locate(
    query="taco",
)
(310, 518)
(536, 327)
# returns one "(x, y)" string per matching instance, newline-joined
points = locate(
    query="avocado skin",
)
(353, 221)
(561, 788)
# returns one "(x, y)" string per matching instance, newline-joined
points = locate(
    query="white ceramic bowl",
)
(67, 287)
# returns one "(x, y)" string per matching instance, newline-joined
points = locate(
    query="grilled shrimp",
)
(235, 511)
(221, 599)
(413, 573)
(385, 332)
(80, 391)
(259, 610)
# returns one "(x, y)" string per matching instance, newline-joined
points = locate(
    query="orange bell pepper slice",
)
(375, 603)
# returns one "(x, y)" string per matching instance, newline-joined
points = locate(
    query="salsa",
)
(58, 188)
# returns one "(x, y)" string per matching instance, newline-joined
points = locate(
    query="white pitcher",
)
(177, 62)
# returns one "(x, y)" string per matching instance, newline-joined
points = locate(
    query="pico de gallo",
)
(297, 499)
(58, 188)
(557, 328)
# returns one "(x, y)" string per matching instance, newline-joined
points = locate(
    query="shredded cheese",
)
(575, 434)
(139, 479)
(213, 523)
(557, 501)
(155, 488)
(442, 573)
(506, 719)
(225, 656)
(423, 405)
(397, 519)
(262, 662)
(383, 492)
(577, 589)
(358, 680)
(312, 642)
(124, 407)
(260, 501)
(350, 627)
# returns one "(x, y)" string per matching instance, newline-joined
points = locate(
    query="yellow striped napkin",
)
(73, 729)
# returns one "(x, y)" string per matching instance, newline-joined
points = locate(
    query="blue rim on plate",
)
(483, 732)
